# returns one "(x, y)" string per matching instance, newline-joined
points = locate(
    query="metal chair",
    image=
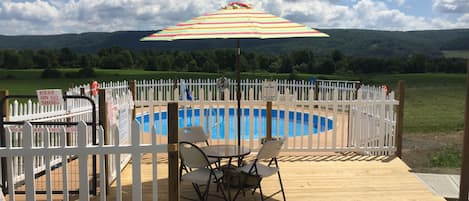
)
(269, 150)
(195, 135)
(200, 173)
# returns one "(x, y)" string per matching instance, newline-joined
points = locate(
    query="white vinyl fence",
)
(120, 107)
(164, 89)
(30, 152)
(332, 117)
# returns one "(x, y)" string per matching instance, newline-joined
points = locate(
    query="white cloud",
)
(28, 11)
(364, 14)
(451, 6)
(400, 2)
(65, 16)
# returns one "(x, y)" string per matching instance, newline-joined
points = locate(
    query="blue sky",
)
(26, 17)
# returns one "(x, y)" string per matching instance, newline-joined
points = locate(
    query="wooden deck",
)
(333, 177)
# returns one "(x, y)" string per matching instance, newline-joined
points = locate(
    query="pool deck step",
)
(444, 185)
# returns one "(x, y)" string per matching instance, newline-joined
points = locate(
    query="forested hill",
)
(351, 42)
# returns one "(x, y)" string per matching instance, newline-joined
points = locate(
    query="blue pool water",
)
(295, 127)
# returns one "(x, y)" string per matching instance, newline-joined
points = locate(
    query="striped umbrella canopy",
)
(236, 20)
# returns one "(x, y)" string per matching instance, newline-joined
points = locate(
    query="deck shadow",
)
(187, 191)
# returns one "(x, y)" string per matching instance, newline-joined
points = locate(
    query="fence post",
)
(103, 121)
(5, 107)
(357, 87)
(464, 180)
(400, 118)
(316, 90)
(133, 90)
(268, 117)
(173, 152)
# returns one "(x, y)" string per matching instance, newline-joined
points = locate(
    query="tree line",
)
(298, 61)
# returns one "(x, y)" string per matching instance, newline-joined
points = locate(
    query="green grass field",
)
(456, 54)
(434, 102)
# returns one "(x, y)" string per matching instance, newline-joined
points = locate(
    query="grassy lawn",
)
(456, 54)
(434, 102)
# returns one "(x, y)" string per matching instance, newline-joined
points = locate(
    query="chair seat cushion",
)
(201, 175)
(262, 170)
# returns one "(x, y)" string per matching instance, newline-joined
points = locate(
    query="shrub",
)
(450, 156)
(10, 76)
(86, 72)
(82, 73)
(51, 73)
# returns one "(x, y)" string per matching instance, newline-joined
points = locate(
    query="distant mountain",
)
(349, 41)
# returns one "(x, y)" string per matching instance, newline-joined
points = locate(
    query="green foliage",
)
(457, 54)
(450, 157)
(50, 73)
(351, 42)
(87, 72)
(301, 61)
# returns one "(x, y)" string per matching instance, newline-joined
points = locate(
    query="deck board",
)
(305, 177)
(341, 177)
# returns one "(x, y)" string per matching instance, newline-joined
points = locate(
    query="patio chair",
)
(201, 173)
(195, 135)
(268, 151)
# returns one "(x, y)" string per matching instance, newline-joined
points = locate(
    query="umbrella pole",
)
(238, 90)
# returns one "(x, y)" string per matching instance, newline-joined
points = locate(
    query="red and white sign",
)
(50, 97)
(94, 88)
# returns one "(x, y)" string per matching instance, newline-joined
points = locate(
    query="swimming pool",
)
(296, 127)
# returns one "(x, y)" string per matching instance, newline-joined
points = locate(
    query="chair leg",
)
(180, 172)
(197, 190)
(207, 188)
(222, 189)
(280, 180)
(281, 185)
(260, 190)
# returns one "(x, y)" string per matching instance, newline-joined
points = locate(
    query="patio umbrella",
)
(235, 21)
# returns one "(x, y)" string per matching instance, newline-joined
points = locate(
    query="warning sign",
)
(269, 91)
(50, 97)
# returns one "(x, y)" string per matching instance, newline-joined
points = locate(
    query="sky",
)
(41, 17)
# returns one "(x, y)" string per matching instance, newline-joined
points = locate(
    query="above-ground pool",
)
(217, 127)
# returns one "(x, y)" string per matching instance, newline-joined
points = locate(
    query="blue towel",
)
(188, 94)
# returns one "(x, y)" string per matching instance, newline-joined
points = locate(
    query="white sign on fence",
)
(269, 91)
(50, 97)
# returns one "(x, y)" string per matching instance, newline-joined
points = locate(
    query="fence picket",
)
(48, 170)
(63, 145)
(154, 159)
(10, 166)
(28, 162)
(136, 163)
(83, 162)
(117, 164)
(102, 165)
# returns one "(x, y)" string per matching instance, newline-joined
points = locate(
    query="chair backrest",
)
(192, 156)
(270, 149)
(192, 134)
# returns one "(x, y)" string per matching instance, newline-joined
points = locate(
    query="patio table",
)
(226, 152)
